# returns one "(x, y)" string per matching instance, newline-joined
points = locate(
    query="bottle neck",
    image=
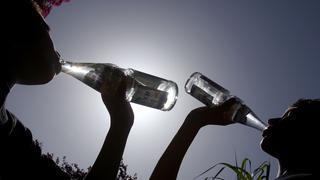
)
(65, 65)
(246, 116)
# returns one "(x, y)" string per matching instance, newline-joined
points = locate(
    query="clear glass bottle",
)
(145, 89)
(212, 94)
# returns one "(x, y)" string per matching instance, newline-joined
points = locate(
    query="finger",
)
(231, 101)
(111, 82)
(230, 108)
(123, 86)
(117, 77)
(233, 110)
(214, 115)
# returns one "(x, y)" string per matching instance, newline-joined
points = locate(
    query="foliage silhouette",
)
(76, 173)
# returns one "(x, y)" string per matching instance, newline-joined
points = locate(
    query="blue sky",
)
(265, 52)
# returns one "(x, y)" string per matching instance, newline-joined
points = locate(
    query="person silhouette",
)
(29, 58)
(289, 138)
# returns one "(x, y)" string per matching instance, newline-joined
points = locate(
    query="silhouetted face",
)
(30, 58)
(289, 136)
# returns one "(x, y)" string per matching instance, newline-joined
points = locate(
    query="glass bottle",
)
(212, 94)
(145, 89)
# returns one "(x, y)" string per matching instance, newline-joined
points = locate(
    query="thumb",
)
(231, 107)
(124, 85)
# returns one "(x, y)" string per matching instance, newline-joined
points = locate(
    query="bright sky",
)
(265, 52)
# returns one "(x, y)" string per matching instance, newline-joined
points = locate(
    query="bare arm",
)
(107, 163)
(169, 164)
(121, 115)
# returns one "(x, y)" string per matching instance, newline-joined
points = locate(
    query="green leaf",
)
(244, 164)
(215, 177)
(261, 169)
(205, 171)
(236, 159)
(241, 173)
(260, 173)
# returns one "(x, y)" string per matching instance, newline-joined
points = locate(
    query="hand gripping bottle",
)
(212, 94)
(145, 89)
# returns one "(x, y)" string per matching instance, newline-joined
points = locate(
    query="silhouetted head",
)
(29, 56)
(291, 138)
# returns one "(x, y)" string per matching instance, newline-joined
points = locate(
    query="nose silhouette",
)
(273, 121)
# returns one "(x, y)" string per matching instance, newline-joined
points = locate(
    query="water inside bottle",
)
(154, 91)
(212, 94)
(145, 89)
(205, 90)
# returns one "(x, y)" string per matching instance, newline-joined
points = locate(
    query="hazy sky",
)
(266, 52)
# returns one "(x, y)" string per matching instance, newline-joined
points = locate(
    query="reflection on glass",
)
(145, 89)
(212, 94)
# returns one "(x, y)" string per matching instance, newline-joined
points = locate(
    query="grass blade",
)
(244, 164)
(215, 177)
(241, 174)
(205, 171)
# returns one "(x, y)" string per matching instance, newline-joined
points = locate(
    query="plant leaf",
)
(205, 171)
(244, 164)
(263, 171)
(215, 177)
(241, 173)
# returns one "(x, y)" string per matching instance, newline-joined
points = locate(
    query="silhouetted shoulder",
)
(20, 155)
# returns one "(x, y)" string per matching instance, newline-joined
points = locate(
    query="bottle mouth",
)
(193, 77)
(62, 61)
